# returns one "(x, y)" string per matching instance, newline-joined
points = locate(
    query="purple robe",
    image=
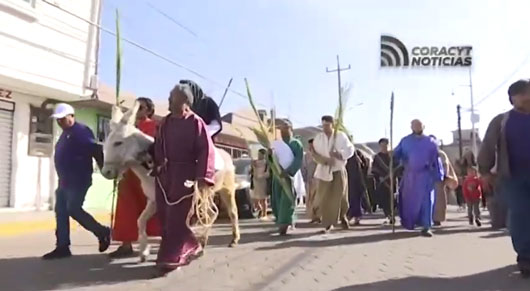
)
(183, 151)
(355, 168)
(419, 156)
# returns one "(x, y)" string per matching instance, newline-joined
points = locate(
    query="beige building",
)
(46, 56)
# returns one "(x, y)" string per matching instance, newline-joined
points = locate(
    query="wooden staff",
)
(118, 80)
(391, 166)
(226, 91)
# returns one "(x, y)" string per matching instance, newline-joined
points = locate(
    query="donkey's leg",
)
(149, 211)
(228, 197)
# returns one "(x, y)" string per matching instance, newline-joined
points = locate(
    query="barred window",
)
(103, 128)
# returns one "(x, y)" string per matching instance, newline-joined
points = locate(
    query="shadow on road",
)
(505, 279)
(78, 271)
(455, 230)
(497, 234)
(263, 236)
(352, 240)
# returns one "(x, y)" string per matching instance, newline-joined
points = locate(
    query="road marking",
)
(15, 228)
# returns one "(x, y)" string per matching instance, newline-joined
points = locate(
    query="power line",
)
(490, 94)
(125, 19)
(150, 51)
(172, 19)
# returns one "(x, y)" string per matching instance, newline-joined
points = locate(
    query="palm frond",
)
(341, 110)
(118, 58)
(263, 136)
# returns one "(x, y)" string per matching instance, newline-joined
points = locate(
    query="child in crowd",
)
(472, 189)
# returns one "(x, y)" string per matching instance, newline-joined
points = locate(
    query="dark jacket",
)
(494, 149)
(73, 156)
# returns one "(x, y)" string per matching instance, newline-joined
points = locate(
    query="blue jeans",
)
(516, 191)
(69, 203)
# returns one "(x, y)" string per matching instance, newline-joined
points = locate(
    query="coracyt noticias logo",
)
(395, 54)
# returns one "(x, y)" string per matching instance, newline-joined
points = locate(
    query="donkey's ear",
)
(117, 114)
(129, 117)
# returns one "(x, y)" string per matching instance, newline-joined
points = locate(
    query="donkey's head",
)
(125, 143)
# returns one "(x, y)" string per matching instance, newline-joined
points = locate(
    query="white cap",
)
(62, 110)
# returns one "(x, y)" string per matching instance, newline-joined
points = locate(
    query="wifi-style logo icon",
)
(393, 52)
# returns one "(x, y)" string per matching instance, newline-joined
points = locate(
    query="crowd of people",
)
(336, 175)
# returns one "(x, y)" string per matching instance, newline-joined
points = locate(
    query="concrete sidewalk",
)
(13, 223)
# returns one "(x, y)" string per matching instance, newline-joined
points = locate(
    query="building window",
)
(25, 8)
(103, 128)
(40, 132)
(30, 3)
(227, 149)
(21, 4)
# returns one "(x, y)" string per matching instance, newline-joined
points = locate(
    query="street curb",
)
(15, 228)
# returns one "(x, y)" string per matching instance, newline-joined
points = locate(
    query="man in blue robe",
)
(419, 155)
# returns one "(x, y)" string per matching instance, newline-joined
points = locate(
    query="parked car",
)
(243, 192)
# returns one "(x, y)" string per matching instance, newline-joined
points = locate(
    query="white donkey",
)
(124, 148)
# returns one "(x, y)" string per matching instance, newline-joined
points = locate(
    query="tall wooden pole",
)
(391, 166)
(226, 91)
(118, 82)
(460, 150)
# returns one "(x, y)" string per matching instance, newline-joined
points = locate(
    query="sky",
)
(284, 46)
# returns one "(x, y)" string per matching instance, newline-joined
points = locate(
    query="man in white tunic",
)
(331, 150)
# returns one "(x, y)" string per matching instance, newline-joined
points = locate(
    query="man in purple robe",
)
(183, 153)
(356, 167)
(419, 155)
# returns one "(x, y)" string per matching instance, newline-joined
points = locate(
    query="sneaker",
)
(122, 252)
(470, 221)
(104, 241)
(477, 221)
(426, 233)
(58, 253)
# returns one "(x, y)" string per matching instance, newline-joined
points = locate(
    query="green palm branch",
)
(262, 134)
(118, 58)
(340, 111)
(118, 103)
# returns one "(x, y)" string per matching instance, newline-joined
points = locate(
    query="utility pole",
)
(338, 70)
(458, 107)
(473, 117)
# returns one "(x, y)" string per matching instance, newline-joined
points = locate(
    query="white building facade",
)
(47, 55)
